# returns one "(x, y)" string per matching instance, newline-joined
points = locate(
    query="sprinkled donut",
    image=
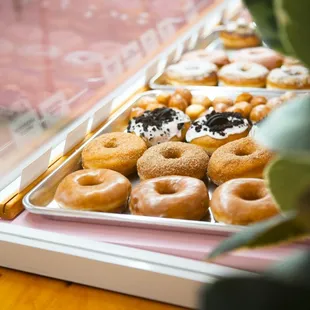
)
(192, 72)
(160, 125)
(242, 158)
(260, 55)
(216, 129)
(243, 74)
(292, 77)
(217, 57)
(173, 158)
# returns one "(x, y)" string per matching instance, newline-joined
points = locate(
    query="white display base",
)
(135, 272)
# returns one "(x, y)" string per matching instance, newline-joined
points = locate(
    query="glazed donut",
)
(258, 100)
(239, 34)
(244, 97)
(217, 57)
(117, 151)
(243, 74)
(163, 98)
(178, 102)
(6, 51)
(83, 64)
(160, 125)
(185, 93)
(145, 101)
(202, 100)
(100, 190)
(221, 107)
(260, 55)
(259, 112)
(171, 197)
(242, 107)
(173, 158)
(192, 73)
(223, 99)
(38, 56)
(293, 77)
(216, 129)
(242, 202)
(238, 159)
(195, 110)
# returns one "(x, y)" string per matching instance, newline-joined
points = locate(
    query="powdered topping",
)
(191, 70)
(296, 75)
(243, 70)
(217, 126)
(159, 125)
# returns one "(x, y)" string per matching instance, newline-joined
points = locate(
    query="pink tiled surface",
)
(194, 246)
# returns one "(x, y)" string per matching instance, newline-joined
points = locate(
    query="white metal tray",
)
(40, 200)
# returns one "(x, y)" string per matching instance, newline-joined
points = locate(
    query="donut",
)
(293, 77)
(242, 107)
(244, 97)
(258, 100)
(160, 125)
(173, 158)
(216, 129)
(239, 34)
(136, 111)
(175, 196)
(223, 99)
(195, 110)
(191, 73)
(6, 52)
(118, 151)
(202, 100)
(99, 190)
(145, 101)
(260, 55)
(259, 112)
(217, 57)
(243, 74)
(291, 61)
(66, 40)
(221, 107)
(185, 93)
(163, 98)
(238, 159)
(242, 202)
(178, 102)
(38, 56)
(83, 64)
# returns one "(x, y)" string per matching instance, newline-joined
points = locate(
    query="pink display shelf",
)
(193, 246)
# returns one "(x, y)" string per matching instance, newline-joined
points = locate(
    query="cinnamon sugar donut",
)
(217, 57)
(100, 190)
(83, 64)
(173, 158)
(216, 129)
(171, 197)
(191, 73)
(238, 159)
(243, 74)
(160, 125)
(242, 202)
(117, 151)
(260, 55)
(292, 77)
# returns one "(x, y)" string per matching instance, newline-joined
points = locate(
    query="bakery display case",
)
(74, 71)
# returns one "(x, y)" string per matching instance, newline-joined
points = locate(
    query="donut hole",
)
(251, 194)
(112, 144)
(243, 152)
(172, 154)
(165, 190)
(89, 180)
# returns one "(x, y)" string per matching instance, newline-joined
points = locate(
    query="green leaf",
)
(288, 179)
(293, 27)
(287, 129)
(277, 229)
(263, 15)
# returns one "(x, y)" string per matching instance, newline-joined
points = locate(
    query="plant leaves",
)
(293, 27)
(263, 15)
(277, 229)
(288, 179)
(287, 129)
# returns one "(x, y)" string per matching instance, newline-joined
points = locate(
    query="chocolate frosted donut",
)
(173, 158)
(238, 159)
(216, 129)
(160, 125)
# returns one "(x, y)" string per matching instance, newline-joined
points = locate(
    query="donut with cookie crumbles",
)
(216, 129)
(160, 125)
(173, 158)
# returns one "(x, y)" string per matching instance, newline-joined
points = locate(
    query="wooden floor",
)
(22, 291)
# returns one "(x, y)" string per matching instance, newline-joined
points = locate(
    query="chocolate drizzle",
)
(218, 122)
